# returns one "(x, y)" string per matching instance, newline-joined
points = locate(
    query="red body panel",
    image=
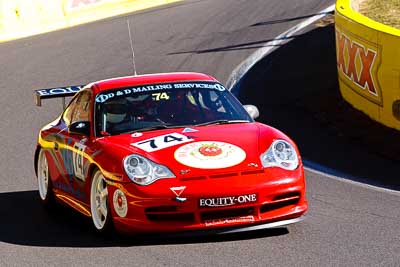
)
(243, 193)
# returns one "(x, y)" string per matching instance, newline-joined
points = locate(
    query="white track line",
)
(241, 70)
(246, 65)
(346, 178)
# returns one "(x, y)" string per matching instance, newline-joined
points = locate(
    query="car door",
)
(74, 148)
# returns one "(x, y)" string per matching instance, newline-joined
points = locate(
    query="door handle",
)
(56, 146)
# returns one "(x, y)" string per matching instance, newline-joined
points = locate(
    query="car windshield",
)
(167, 105)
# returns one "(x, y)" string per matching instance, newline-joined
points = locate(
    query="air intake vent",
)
(224, 175)
(171, 217)
(281, 201)
(161, 209)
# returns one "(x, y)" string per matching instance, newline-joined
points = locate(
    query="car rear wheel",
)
(99, 205)
(44, 182)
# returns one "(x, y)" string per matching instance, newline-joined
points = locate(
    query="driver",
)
(116, 113)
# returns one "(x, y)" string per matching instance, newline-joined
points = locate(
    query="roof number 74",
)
(160, 96)
(161, 142)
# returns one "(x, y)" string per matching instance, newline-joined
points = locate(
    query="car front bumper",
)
(173, 205)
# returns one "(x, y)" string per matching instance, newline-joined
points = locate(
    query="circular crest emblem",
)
(210, 155)
(120, 203)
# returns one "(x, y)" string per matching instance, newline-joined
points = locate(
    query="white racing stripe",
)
(246, 65)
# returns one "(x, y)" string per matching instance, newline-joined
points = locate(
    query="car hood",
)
(196, 150)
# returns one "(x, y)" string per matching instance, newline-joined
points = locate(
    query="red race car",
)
(167, 153)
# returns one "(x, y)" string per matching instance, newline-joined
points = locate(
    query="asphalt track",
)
(347, 224)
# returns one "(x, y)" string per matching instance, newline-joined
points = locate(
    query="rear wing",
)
(58, 92)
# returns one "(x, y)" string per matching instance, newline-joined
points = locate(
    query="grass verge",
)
(383, 11)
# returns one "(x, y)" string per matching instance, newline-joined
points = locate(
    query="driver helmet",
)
(116, 110)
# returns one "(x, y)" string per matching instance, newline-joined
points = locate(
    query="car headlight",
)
(144, 171)
(280, 154)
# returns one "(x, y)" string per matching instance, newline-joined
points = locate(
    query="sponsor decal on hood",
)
(210, 155)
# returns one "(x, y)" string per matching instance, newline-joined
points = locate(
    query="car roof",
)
(158, 78)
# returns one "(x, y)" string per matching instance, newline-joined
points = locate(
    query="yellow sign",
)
(368, 64)
(358, 61)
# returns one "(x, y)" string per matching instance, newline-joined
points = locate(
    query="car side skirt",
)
(75, 204)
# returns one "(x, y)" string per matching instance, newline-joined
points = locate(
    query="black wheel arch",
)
(36, 157)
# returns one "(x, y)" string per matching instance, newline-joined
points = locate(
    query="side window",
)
(78, 109)
(81, 112)
(67, 116)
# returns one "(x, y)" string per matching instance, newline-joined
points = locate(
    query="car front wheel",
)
(99, 205)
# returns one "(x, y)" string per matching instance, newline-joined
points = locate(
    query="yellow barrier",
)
(368, 61)
(21, 18)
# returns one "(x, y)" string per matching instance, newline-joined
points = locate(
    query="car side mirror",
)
(80, 128)
(252, 110)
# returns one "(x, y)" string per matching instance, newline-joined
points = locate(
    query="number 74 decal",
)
(161, 142)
